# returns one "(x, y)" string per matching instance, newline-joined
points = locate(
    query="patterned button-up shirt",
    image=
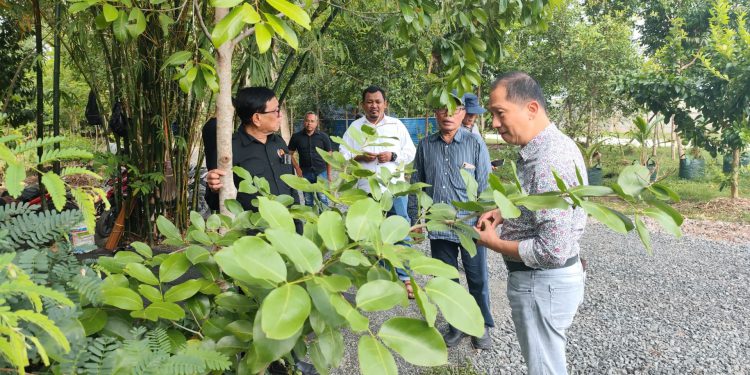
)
(439, 164)
(547, 238)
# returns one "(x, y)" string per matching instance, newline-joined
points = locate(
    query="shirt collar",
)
(458, 138)
(537, 142)
(247, 139)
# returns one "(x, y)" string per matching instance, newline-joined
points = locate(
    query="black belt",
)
(520, 266)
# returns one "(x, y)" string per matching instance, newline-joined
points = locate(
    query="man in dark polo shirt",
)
(311, 165)
(256, 146)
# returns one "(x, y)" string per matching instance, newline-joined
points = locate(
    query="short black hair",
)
(372, 90)
(251, 100)
(520, 88)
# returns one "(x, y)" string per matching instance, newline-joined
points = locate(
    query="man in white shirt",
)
(401, 150)
(396, 149)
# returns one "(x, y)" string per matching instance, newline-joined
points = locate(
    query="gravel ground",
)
(684, 310)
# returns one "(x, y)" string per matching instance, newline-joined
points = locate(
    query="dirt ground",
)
(711, 229)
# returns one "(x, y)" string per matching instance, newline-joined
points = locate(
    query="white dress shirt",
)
(387, 129)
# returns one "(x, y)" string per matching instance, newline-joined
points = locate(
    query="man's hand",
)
(366, 157)
(493, 217)
(487, 231)
(385, 156)
(298, 171)
(213, 179)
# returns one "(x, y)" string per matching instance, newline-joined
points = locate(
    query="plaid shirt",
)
(439, 164)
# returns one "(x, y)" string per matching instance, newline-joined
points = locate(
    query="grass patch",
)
(465, 369)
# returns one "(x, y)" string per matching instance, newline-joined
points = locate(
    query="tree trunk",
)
(224, 116)
(673, 145)
(39, 91)
(286, 124)
(735, 192)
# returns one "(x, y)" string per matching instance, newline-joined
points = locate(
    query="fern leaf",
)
(28, 288)
(86, 205)
(89, 287)
(69, 171)
(158, 341)
(47, 325)
(14, 209)
(213, 360)
(7, 155)
(40, 349)
(49, 156)
(56, 188)
(9, 138)
(35, 143)
(14, 176)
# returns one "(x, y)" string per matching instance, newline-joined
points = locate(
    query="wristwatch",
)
(393, 156)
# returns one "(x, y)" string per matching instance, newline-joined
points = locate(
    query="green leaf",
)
(283, 30)
(604, 215)
(143, 249)
(354, 258)
(168, 229)
(166, 310)
(664, 192)
(56, 189)
(334, 283)
(298, 183)
(380, 295)
(137, 28)
(434, 267)
(141, 273)
(427, 308)
(467, 242)
(643, 233)
(357, 322)
(458, 306)
(331, 343)
(293, 12)
(363, 219)
(242, 329)
(183, 291)
(591, 191)
(263, 36)
(285, 310)
(123, 298)
(234, 302)
(119, 27)
(174, 266)
(110, 12)
(231, 25)
(197, 254)
(275, 214)
(676, 216)
(14, 176)
(507, 209)
(633, 179)
(152, 294)
(332, 230)
(262, 263)
(93, 320)
(542, 202)
(301, 251)
(394, 229)
(414, 340)
(165, 21)
(197, 220)
(471, 184)
(374, 358)
(665, 220)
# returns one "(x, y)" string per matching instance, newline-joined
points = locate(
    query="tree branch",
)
(200, 19)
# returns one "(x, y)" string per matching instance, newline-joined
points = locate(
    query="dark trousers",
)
(475, 268)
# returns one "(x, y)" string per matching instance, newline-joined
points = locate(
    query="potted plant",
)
(693, 166)
(593, 159)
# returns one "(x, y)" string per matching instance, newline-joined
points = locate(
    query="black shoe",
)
(453, 336)
(484, 342)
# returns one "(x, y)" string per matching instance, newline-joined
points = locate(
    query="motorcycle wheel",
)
(104, 225)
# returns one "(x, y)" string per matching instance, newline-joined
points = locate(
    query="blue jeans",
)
(475, 268)
(543, 304)
(309, 175)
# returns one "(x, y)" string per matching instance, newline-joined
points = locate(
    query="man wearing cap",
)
(440, 158)
(473, 110)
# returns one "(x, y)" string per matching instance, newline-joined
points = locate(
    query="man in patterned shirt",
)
(439, 161)
(540, 248)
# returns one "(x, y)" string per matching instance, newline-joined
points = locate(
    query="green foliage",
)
(14, 340)
(34, 229)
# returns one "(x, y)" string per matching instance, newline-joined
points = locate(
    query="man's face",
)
(508, 118)
(270, 121)
(374, 106)
(311, 123)
(449, 122)
(469, 119)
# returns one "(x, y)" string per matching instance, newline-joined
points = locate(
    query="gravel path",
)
(685, 310)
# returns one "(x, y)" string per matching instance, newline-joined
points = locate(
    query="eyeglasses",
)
(444, 111)
(277, 110)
